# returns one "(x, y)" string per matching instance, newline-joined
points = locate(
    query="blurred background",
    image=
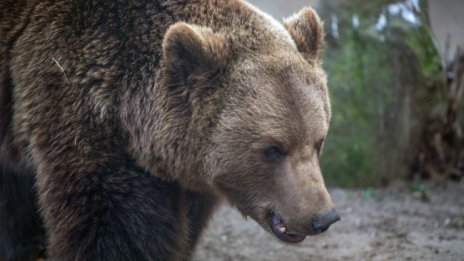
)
(394, 158)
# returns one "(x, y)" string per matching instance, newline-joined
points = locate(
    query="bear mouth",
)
(279, 229)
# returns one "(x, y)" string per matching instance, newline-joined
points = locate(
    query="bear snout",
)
(322, 222)
(289, 232)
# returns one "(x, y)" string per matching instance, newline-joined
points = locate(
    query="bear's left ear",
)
(307, 31)
(190, 50)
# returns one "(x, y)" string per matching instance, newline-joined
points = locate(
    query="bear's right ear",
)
(191, 50)
(307, 31)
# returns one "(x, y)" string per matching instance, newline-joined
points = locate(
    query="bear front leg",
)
(22, 236)
(201, 207)
(109, 213)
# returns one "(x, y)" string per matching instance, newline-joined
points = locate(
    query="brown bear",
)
(133, 118)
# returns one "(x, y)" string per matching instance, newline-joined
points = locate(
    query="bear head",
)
(259, 103)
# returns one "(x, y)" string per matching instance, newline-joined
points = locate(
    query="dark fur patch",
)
(22, 236)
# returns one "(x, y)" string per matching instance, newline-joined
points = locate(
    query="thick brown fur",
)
(134, 117)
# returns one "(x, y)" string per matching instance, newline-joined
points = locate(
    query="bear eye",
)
(319, 146)
(274, 154)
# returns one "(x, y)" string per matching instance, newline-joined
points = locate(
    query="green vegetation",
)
(385, 76)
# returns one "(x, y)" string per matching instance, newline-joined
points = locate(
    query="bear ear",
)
(193, 50)
(307, 31)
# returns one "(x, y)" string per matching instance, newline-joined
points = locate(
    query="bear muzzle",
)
(322, 222)
(317, 225)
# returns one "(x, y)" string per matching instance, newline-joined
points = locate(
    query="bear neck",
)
(169, 143)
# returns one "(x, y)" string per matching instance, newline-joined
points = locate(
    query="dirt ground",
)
(381, 224)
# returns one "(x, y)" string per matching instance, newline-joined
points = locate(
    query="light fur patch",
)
(275, 26)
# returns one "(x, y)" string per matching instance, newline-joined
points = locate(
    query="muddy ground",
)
(377, 224)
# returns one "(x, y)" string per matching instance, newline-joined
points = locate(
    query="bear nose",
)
(322, 222)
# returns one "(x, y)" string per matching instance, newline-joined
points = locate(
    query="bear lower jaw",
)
(279, 229)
